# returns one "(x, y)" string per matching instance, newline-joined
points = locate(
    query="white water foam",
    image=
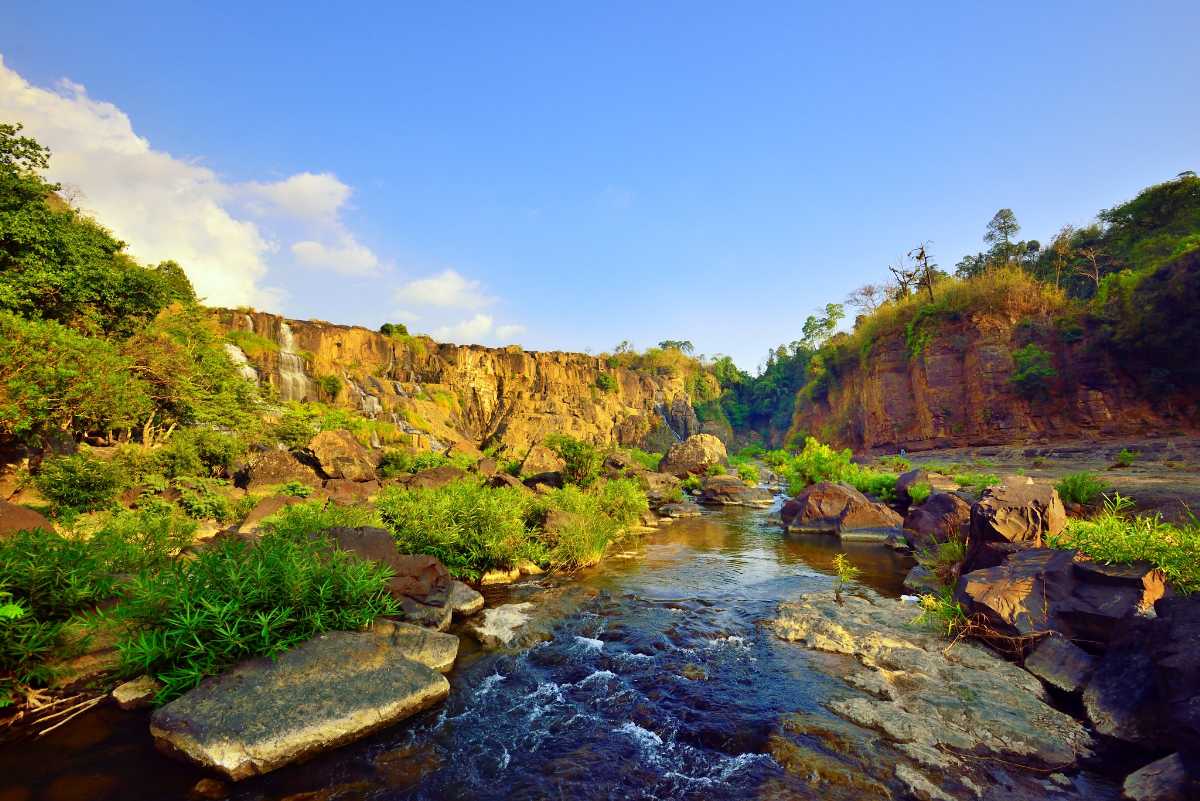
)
(590, 643)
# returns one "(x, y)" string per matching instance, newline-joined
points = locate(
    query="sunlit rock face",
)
(441, 395)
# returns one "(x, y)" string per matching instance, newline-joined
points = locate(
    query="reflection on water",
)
(659, 682)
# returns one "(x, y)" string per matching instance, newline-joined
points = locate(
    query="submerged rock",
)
(933, 700)
(681, 509)
(501, 625)
(264, 714)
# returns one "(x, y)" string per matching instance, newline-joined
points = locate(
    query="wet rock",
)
(271, 468)
(1044, 590)
(922, 580)
(541, 459)
(732, 491)
(500, 625)
(341, 456)
(693, 456)
(681, 509)
(930, 697)
(464, 601)
(14, 518)
(499, 575)
(430, 648)
(1163, 780)
(943, 517)
(265, 508)
(264, 714)
(1060, 663)
(209, 790)
(137, 693)
(1010, 518)
(829, 508)
(434, 616)
(660, 488)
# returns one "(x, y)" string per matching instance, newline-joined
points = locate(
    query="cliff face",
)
(444, 395)
(959, 392)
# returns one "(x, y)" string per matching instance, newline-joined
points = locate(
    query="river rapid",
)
(653, 677)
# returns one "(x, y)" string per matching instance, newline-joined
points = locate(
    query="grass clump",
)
(940, 612)
(1117, 536)
(976, 482)
(819, 462)
(398, 462)
(235, 601)
(1125, 458)
(844, 573)
(1082, 488)
(469, 527)
(622, 500)
(583, 460)
(252, 344)
(691, 483)
(944, 561)
(579, 536)
(649, 461)
(79, 482)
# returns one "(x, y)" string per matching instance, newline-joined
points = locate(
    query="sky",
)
(566, 176)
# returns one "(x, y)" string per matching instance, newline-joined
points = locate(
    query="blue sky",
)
(567, 176)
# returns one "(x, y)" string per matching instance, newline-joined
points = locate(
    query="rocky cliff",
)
(959, 390)
(463, 396)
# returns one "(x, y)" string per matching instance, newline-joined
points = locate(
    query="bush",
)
(690, 484)
(1126, 458)
(920, 492)
(329, 386)
(295, 428)
(233, 602)
(201, 451)
(1082, 488)
(295, 489)
(747, 472)
(1115, 536)
(393, 329)
(976, 482)
(717, 469)
(134, 541)
(1033, 370)
(398, 462)
(583, 461)
(469, 527)
(203, 498)
(78, 482)
(581, 536)
(606, 383)
(53, 576)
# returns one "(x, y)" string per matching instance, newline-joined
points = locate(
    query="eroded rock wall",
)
(467, 396)
(958, 391)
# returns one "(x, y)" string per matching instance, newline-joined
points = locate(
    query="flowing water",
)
(657, 680)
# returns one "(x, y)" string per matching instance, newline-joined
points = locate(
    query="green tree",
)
(1001, 233)
(818, 329)
(681, 345)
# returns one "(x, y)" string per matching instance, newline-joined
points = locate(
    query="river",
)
(658, 680)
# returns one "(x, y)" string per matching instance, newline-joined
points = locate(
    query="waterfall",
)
(238, 357)
(294, 383)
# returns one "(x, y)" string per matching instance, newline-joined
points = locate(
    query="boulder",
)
(660, 488)
(1009, 518)
(430, 648)
(541, 459)
(267, 713)
(341, 456)
(501, 625)
(694, 456)
(681, 509)
(829, 508)
(464, 601)
(345, 492)
(270, 468)
(922, 580)
(1165, 779)
(419, 578)
(906, 480)
(1041, 590)
(618, 465)
(265, 508)
(1121, 700)
(500, 480)
(486, 467)
(433, 478)
(732, 491)
(943, 517)
(545, 480)
(136, 693)
(1061, 664)
(14, 518)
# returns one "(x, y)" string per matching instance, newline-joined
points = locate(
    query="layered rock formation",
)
(958, 391)
(444, 395)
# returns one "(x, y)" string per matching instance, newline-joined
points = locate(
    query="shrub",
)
(1080, 488)
(690, 484)
(920, 492)
(650, 461)
(747, 472)
(295, 428)
(1115, 536)
(135, 541)
(583, 461)
(78, 482)
(606, 383)
(202, 498)
(53, 576)
(1033, 370)
(622, 500)
(717, 469)
(398, 462)
(469, 527)
(581, 536)
(393, 329)
(1126, 458)
(330, 386)
(976, 482)
(942, 613)
(232, 602)
(869, 482)
(295, 489)
(200, 451)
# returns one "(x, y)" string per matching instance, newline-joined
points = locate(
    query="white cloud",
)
(507, 332)
(476, 329)
(165, 207)
(447, 290)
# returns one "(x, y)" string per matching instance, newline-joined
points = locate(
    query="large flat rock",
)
(264, 714)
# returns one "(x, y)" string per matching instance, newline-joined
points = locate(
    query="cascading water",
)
(662, 410)
(294, 383)
(239, 359)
